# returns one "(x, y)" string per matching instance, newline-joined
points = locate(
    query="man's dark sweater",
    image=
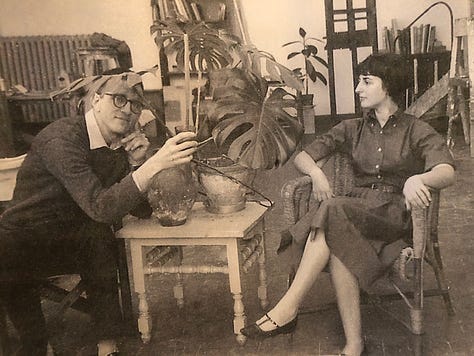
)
(62, 182)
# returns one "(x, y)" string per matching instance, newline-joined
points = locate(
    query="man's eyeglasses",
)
(120, 101)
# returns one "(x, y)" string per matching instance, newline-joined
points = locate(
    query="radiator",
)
(39, 63)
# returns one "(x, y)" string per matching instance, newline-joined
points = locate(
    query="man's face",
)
(117, 112)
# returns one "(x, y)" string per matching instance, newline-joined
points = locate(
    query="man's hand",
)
(136, 144)
(176, 150)
(417, 194)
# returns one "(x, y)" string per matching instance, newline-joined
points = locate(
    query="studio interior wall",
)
(270, 23)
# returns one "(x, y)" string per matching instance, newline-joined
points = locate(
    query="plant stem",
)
(198, 99)
(187, 82)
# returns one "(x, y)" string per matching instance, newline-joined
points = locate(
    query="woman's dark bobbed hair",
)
(393, 69)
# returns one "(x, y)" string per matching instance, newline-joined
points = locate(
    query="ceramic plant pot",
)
(224, 195)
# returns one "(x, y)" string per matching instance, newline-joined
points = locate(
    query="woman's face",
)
(371, 91)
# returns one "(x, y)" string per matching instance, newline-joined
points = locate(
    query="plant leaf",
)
(293, 54)
(302, 32)
(255, 130)
(322, 78)
(290, 43)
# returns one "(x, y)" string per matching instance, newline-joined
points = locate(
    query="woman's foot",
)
(268, 327)
(354, 349)
(274, 318)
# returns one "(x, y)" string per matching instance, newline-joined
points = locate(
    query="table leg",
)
(125, 293)
(144, 319)
(178, 289)
(236, 290)
(262, 273)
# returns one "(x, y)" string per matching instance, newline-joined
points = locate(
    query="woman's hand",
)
(321, 189)
(417, 194)
(176, 151)
(136, 144)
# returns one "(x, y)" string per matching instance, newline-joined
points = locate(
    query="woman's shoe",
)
(255, 332)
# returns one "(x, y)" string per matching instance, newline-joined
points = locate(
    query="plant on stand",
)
(195, 47)
(309, 51)
(253, 125)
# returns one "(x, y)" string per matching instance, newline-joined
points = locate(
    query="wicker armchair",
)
(297, 194)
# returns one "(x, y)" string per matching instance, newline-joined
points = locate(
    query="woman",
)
(396, 159)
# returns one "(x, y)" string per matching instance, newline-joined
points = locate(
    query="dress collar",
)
(369, 115)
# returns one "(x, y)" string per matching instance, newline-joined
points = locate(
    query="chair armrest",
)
(296, 194)
(425, 225)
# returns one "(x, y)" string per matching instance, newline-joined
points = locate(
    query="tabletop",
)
(200, 224)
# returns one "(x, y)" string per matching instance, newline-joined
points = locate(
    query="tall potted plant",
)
(307, 50)
(195, 47)
(253, 125)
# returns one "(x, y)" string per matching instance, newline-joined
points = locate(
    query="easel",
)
(461, 76)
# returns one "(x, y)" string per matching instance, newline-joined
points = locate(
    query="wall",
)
(127, 20)
(270, 23)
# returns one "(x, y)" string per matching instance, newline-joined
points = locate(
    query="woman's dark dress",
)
(365, 228)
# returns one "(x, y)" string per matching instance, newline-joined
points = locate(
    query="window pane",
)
(359, 4)
(340, 16)
(344, 83)
(360, 14)
(340, 4)
(361, 25)
(340, 26)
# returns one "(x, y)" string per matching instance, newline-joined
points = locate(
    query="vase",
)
(172, 193)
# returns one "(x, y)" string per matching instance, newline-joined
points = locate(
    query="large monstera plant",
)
(195, 47)
(254, 127)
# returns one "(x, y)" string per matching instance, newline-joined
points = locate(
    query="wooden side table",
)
(203, 228)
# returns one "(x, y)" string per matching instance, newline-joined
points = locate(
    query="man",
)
(80, 176)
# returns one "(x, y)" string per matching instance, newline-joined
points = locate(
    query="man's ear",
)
(94, 101)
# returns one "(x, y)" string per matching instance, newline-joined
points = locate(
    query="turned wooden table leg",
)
(144, 318)
(262, 273)
(236, 290)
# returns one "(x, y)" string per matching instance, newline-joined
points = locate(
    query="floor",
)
(204, 325)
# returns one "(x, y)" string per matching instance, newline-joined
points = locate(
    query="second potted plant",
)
(307, 49)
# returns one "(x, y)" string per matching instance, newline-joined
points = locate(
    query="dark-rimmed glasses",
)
(120, 101)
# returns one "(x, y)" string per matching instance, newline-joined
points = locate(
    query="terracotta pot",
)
(224, 195)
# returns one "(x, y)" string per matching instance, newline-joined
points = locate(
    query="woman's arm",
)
(306, 165)
(416, 188)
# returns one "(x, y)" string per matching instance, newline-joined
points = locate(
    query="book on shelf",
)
(181, 13)
(412, 40)
(431, 39)
(196, 11)
(424, 40)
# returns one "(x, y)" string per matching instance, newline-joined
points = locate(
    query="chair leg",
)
(437, 265)
(416, 311)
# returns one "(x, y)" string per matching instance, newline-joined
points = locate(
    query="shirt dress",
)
(365, 229)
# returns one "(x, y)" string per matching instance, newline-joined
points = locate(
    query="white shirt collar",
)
(96, 140)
